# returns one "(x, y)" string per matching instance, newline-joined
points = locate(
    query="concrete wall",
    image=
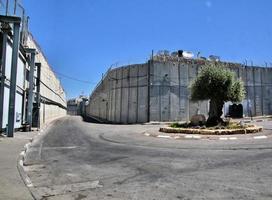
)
(170, 93)
(258, 82)
(121, 97)
(53, 97)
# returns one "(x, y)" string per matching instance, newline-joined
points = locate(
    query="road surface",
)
(80, 160)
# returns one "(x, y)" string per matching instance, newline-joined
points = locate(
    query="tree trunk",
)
(215, 112)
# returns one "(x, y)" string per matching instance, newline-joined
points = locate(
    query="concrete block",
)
(133, 112)
(124, 106)
(154, 103)
(142, 104)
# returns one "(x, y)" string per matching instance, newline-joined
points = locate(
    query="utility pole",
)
(7, 7)
(16, 21)
(15, 7)
(38, 86)
(31, 87)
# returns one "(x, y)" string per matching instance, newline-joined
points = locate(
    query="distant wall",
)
(160, 91)
(72, 109)
(121, 97)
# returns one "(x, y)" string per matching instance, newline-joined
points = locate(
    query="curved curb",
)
(240, 131)
(21, 158)
(23, 174)
(251, 133)
(198, 137)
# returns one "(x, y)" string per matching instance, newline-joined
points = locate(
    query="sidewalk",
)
(12, 186)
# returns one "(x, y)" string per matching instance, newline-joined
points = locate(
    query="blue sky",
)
(83, 38)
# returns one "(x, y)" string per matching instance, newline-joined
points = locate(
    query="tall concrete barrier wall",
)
(121, 97)
(258, 83)
(170, 90)
(53, 98)
(160, 91)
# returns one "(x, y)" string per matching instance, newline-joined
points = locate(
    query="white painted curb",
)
(164, 136)
(192, 137)
(228, 138)
(260, 137)
(147, 134)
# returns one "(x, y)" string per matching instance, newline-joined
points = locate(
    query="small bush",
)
(186, 125)
(180, 125)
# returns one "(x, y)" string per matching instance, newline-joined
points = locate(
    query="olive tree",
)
(218, 85)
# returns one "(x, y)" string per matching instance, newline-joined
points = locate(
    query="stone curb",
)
(20, 167)
(177, 134)
(254, 129)
(22, 155)
(204, 137)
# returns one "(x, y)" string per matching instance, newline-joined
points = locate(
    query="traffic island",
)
(213, 131)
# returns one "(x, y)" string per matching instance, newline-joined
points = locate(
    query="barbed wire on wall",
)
(75, 79)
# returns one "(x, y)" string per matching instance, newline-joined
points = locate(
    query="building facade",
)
(30, 93)
(159, 90)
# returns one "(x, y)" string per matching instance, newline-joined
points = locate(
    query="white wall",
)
(50, 88)
(19, 93)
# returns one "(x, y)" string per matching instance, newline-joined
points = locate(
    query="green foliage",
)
(217, 83)
(235, 125)
(237, 91)
(186, 125)
(179, 125)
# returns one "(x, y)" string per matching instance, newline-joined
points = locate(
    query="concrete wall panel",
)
(155, 114)
(133, 112)
(258, 91)
(175, 92)
(124, 106)
(184, 98)
(118, 105)
(50, 87)
(142, 105)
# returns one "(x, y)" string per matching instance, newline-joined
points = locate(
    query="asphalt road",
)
(79, 160)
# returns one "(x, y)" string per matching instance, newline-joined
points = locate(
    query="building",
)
(31, 95)
(72, 107)
(158, 90)
(76, 106)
